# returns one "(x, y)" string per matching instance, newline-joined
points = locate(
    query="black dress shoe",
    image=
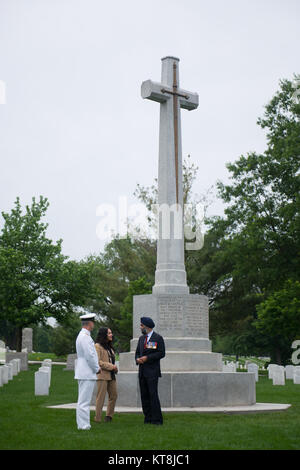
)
(107, 419)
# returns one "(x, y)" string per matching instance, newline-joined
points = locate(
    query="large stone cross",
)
(170, 275)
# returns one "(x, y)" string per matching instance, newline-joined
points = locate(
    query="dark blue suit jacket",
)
(151, 368)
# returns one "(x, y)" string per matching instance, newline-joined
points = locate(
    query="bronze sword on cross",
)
(162, 92)
(175, 94)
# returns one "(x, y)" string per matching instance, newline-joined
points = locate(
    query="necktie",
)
(145, 342)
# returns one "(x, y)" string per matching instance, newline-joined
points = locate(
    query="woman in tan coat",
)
(106, 379)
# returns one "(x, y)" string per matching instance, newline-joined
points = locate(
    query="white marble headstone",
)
(252, 367)
(278, 375)
(2, 351)
(270, 368)
(15, 367)
(41, 382)
(289, 372)
(10, 371)
(229, 367)
(5, 374)
(19, 364)
(296, 376)
(46, 369)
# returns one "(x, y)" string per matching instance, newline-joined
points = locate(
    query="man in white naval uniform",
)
(87, 366)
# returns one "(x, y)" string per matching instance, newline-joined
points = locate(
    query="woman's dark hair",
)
(102, 338)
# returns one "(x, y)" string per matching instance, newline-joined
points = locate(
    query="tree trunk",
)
(18, 339)
(278, 356)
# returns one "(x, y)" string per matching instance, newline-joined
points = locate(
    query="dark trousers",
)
(150, 400)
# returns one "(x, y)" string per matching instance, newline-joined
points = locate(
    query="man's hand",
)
(141, 360)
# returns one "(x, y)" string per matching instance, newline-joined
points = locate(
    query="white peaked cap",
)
(88, 316)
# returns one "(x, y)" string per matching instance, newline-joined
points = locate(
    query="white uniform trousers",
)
(85, 393)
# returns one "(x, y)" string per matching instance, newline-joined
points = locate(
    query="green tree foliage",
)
(63, 338)
(42, 336)
(258, 239)
(122, 262)
(124, 323)
(36, 280)
(278, 318)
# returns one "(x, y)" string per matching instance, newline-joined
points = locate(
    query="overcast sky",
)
(75, 128)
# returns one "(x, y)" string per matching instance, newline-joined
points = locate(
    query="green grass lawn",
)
(26, 423)
(36, 356)
(41, 356)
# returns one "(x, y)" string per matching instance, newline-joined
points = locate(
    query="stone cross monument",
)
(192, 373)
(170, 275)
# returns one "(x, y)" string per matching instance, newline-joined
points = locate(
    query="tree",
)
(42, 337)
(124, 324)
(122, 262)
(36, 280)
(263, 218)
(258, 239)
(149, 195)
(63, 338)
(278, 318)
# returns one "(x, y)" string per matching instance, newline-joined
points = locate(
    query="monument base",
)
(192, 374)
(190, 389)
(179, 361)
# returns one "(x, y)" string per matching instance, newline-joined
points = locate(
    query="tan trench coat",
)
(105, 364)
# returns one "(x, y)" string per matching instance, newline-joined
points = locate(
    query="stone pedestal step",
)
(192, 361)
(190, 389)
(256, 408)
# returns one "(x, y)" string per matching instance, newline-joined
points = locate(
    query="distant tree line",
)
(249, 265)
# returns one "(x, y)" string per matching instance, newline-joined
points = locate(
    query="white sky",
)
(75, 128)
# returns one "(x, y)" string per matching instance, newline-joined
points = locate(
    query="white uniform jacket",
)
(87, 359)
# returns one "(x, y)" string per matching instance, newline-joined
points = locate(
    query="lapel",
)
(153, 337)
(142, 338)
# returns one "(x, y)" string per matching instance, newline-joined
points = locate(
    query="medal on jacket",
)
(151, 345)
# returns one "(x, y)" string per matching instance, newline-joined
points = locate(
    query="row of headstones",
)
(279, 373)
(26, 344)
(275, 372)
(9, 370)
(239, 365)
(42, 378)
(249, 366)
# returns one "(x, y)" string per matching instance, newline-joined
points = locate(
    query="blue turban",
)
(148, 322)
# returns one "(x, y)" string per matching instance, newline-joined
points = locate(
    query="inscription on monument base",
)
(170, 314)
(174, 316)
(196, 317)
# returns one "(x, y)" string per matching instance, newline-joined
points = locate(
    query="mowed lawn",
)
(26, 423)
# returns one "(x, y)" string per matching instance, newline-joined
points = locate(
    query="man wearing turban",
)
(150, 350)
